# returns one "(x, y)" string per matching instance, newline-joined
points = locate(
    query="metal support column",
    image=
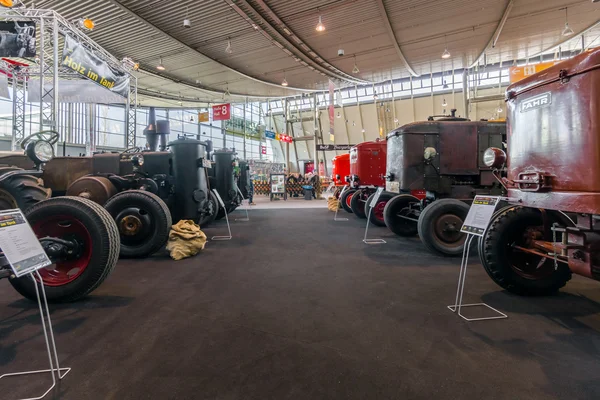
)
(465, 92)
(131, 114)
(90, 129)
(18, 115)
(315, 115)
(245, 106)
(285, 127)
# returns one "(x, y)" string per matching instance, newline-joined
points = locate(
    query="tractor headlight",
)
(40, 151)
(429, 153)
(137, 160)
(494, 157)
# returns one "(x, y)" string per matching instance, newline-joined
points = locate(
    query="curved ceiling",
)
(273, 40)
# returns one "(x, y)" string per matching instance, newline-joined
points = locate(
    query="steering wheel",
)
(49, 136)
(131, 150)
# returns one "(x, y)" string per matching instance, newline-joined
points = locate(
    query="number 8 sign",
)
(221, 112)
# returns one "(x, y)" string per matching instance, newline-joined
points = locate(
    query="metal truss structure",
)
(47, 69)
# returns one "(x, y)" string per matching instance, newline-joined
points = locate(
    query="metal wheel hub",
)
(7, 201)
(130, 225)
(447, 228)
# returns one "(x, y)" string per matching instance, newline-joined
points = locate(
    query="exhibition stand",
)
(26, 257)
(370, 211)
(475, 224)
(222, 204)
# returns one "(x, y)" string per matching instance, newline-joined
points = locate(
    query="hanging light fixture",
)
(186, 21)
(444, 103)
(353, 123)
(446, 53)
(320, 27)
(355, 70)
(160, 65)
(363, 130)
(284, 82)
(499, 108)
(339, 115)
(445, 85)
(396, 120)
(7, 3)
(567, 31)
(375, 97)
(228, 49)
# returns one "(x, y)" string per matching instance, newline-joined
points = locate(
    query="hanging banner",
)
(17, 39)
(73, 91)
(203, 116)
(263, 149)
(515, 74)
(285, 138)
(334, 147)
(331, 111)
(88, 64)
(221, 112)
(270, 135)
(4, 92)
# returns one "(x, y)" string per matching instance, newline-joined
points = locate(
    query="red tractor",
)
(339, 171)
(367, 171)
(552, 179)
(434, 170)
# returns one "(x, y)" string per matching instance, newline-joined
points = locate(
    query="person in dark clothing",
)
(314, 181)
(251, 193)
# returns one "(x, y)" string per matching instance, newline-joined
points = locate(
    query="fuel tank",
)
(244, 178)
(437, 155)
(554, 136)
(223, 176)
(340, 169)
(368, 163)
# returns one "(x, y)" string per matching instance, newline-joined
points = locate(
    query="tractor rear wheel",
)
(515, 270)
(144, 222)
(358, 203)
(401, 213)
(439, 226)
(346, 198)
(377, 211)
(21, 191)
(212, 208)
(93, 228)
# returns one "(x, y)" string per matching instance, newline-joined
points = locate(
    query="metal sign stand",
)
(49, 336)
(335, 218)
(226, 218)
(370, 209)
(475, 224)
(245, 208)
(27, 261)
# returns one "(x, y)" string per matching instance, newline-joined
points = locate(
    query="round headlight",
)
(429, 153)
(494, 157)
(42, 151)
(137, 160)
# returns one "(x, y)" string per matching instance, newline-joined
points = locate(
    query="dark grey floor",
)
(297, 307)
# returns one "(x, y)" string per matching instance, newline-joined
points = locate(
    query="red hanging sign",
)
(285, 138)
(263, 149)
(221, 112)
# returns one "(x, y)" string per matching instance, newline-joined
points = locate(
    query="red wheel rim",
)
(378, 210)
(65, 227)
(349, 199)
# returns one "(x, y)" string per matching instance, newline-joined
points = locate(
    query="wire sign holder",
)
(369, 212)
(226, 218)
(335, 217)
(245, 208)
(475, 225)
(28, 260)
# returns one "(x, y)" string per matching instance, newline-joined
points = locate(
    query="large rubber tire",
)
(358, 203)
(101, 250)
(377, 212)
(144, 222)
(214, 204)
(439, 226)
(346, 199)
(21, 191)
(401, 204)
(508, 267)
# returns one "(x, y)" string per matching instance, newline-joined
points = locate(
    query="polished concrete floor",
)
(297, 307)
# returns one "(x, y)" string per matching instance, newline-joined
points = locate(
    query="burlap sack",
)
(333, 204)
(185, 240)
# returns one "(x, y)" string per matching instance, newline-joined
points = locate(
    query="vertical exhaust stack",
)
(163, 130)
(156, 131)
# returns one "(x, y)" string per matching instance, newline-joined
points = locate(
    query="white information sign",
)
(376, 197)
(480, 214)
(21, 247)
(219, 198)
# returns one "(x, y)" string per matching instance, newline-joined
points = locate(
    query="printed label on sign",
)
(20, 245)
(206, 163)
(221, 112)
(480, 214)
(376, 197)
(219, 198)
(393, 187)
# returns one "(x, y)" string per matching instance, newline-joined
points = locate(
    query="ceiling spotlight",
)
(192, 118)
(444, 103)
(387, 109)
(228, 49)
(160, 65)
(396, 120)
(284, 82)
(375, 97)
(7, 3)
(86, 23)
(186, 21)
(339, 115)
(353, 123)
(355, 70)
(320, 27)
(363, 130)
(567, 31)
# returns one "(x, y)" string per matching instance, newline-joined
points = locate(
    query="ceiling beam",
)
(569, 38)
(162, 32)
(497, 32)
(390, 30)
(278, 35)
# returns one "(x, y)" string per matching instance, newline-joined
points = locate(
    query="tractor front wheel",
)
(144, 222)
(358, 203)
(210, 211)
(517, 271)
(439, 226)
(94, 230)
(377, 211)
(401, 214)
(346, 199)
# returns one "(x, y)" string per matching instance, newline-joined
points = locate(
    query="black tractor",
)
(224, 177)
